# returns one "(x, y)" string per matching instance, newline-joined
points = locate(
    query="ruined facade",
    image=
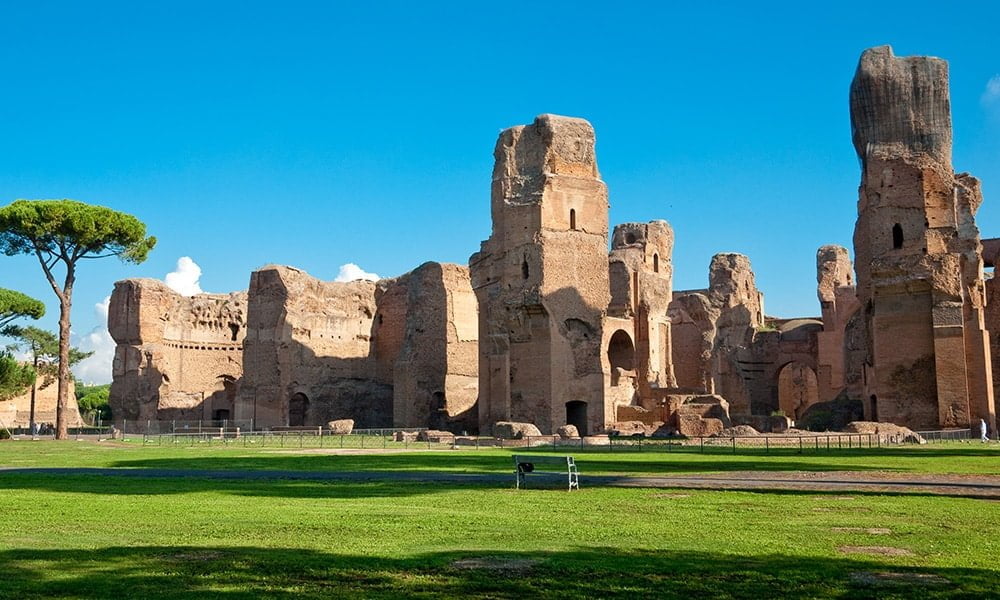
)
(395, 353)
(177, 357)
(711, 325)
(553, 326)
(917, 248)
(570, 333)
(297, 351)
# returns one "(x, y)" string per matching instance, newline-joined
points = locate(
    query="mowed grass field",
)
(86, 536)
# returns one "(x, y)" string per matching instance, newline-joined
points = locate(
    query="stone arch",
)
(572, 219)
(797, 388)
(298, 408)
(656, 263)
(621, 354)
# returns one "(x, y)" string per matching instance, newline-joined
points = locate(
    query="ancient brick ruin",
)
(177, 357)
(560, 320)
(918, 253)
(296, 351)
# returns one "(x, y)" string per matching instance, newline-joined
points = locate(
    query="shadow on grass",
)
(265, 488)
(385, 485)
(253, 572)
(594, 464)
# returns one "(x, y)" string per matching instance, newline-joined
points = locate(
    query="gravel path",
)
(974, 486)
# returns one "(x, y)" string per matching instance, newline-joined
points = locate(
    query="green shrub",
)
(95, 400)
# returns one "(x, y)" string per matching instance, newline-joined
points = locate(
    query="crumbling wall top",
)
(833, 270)
(901, 105)
(552, 145)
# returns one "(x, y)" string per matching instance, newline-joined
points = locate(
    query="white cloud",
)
(352, 272)
(101, 308)
(991, 95)
(184, 279)
(97, 368)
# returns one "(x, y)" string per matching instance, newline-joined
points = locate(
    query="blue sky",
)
(319, 134)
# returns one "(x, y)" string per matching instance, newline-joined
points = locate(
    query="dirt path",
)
(974, 486)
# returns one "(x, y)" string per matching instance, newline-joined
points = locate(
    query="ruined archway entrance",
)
(797, 389)
(298, 406)
(438, 418)
(621, 354)
(576, 415)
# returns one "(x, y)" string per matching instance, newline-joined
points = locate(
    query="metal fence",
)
(137, 427)
(948, 435)
(389, 439)
(78, 433)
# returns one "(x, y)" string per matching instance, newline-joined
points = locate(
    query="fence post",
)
(800, 444)
(702, 439)
(734, 444)
(767, 444)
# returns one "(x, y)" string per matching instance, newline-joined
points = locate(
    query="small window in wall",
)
(572, 219)
(524, 268)
(656, 263)
(897, 236)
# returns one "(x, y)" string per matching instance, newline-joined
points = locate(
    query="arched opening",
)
(656, 263)
(220, 414)
(797, 389)
(576, 415)
(897, 236)
(572, 219)
(524, 268)
(621, 354)
(630, 238)
(439, 412)
(874, 408)
(298, 406)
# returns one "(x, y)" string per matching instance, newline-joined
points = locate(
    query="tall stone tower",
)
(917, 250)
(541, 280)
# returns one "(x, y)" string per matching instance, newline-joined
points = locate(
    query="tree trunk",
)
(65, 303)
(64, 375)
(34, 389)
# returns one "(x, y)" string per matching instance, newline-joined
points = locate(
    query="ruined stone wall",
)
(838, 301)
(917, 249)
(308, 357)
(16, 412)
(640, 272)
(400, 352)
(436, 372)
(711, 326)
(541, 280)
(177, 357)
(692, 328)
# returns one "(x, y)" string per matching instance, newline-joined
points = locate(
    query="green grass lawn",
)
(105, 537)
(955, 457)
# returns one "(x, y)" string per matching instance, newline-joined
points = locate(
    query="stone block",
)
(341, 426)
